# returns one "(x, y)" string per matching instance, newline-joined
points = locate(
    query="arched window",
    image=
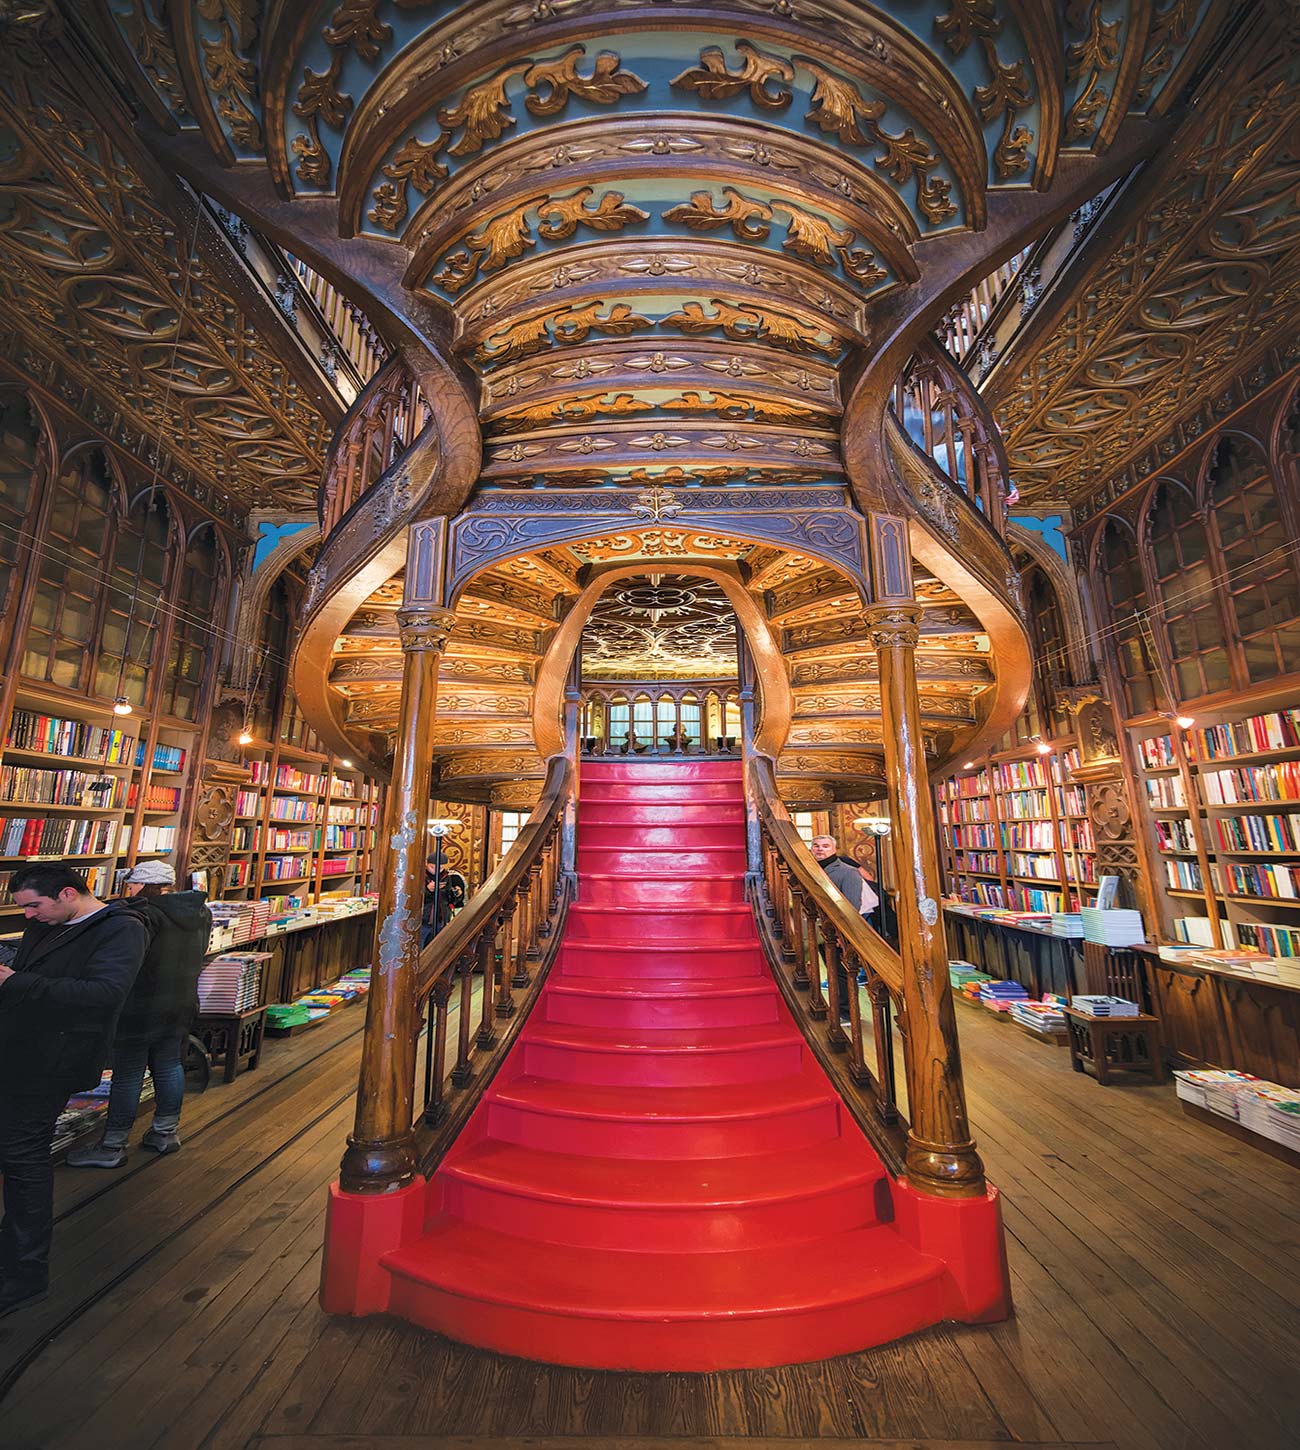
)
(1051, 661)
(71, 576)
(197, 596)
(132, 608)
(1186, 594)
(19, 446)
(1259, 578)
(1126, 595)
(272, 665)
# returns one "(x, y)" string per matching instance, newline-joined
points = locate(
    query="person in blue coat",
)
(60, 998)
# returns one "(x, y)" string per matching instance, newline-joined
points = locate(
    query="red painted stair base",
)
(661, 1177)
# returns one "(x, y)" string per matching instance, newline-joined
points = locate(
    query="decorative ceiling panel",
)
(96, 276)
(660, 627)
(1203, 278)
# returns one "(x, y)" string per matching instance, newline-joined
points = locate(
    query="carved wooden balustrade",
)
(805, 923)
(507, 935)
(380, 426)
(962, 325)
(944, 416)
(507, 931)
(358, 342)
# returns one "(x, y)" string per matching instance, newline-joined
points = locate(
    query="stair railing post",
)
(941, 1156)
(380, 1154)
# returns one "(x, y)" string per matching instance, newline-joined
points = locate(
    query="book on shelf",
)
(98, 878)
(56, 735)
(56, 836)
(35, 785)
(1276, 730)
(1258, 833)
(1166, 792)
(151, 840)
(1273, 941)
(1173, 834)
(1116, 928)
(1200, 931)
(156, 798)
(1277, 781)
(165, 757)
(1158, 753)
(1266, 880)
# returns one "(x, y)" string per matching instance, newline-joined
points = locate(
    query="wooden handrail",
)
(508, 927)
(957, 431)
(384, 421)
(805, 921)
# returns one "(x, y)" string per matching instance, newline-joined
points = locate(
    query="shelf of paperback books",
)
(1014, 832)
(305, 824)
(1222, 805)
(81, 783)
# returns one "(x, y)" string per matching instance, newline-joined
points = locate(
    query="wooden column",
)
(941, 1157)
(380, 1155)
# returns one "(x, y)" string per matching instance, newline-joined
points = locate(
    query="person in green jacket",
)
(155, 1022)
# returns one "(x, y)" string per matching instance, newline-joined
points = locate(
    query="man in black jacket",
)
(59, 1003)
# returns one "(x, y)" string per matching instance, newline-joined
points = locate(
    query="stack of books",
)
(1067, 923)
(998, 996)
(1273, 1112)
(1118, 928)
(231, 983)
(1217, 1089)
(1102, 1006)
(1046, 1018)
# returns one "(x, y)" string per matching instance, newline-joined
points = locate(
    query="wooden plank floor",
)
(1153, 1263)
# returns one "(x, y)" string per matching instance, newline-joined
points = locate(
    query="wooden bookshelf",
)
(103, 790)
(1222, 806)
(1014, 832)
(305, 824)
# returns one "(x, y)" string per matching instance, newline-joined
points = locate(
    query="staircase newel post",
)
(941, 1156)
(380, 1155)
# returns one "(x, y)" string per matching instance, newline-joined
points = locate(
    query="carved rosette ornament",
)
(425, 629)
(894, 626)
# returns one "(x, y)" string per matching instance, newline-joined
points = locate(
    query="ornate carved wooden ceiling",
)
(660, 627)
(508, 615)
(663, 228)
(670, 244)
(94, 278)
(1199, 274)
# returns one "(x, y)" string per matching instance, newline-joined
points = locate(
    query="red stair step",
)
(703, 836)
(699, 888)
(661, 860)
(608, 1309)
(627, 793)
(660, 1058)
(602, 922)
(666, 1002)
(661, 1205)
(636, 771)
(612, 1120)
(600, 957)
(675, 814)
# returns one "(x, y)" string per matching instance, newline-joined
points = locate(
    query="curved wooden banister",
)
(805, 921)
(384, 421)
(510, 926)
(957, 430)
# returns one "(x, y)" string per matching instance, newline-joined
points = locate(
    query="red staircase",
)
(661, 1177)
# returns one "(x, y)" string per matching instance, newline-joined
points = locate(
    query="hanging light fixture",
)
(121, 706)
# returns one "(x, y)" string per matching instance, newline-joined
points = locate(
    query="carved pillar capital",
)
(425, 629)
(894, 625)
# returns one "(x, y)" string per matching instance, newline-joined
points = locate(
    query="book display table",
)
(1110, 1044)
(233, 1042)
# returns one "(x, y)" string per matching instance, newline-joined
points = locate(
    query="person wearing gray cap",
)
(155, 1021)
